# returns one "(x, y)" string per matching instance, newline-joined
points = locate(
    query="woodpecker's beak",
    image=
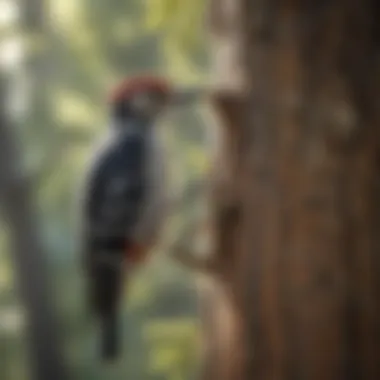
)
(186, 97)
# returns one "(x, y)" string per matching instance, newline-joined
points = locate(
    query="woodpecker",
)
(125, 199)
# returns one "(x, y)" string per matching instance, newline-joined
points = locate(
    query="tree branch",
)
(188, 259)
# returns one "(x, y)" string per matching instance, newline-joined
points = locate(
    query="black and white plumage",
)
(124, 206)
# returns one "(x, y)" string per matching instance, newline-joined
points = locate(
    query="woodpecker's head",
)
(140, 98)
(144, 98)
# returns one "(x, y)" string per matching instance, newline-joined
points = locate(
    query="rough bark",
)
(295, 191)
(16, 201)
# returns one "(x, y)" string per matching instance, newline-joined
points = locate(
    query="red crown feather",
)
(131, 86)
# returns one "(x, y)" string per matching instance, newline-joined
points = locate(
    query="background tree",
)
(17, 210)
(297, 216)
(294, 290)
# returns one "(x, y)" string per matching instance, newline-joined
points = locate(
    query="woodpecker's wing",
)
(115, 188)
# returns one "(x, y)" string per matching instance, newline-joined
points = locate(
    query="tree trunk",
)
(27, 252)
(296, 189)
(35, 24)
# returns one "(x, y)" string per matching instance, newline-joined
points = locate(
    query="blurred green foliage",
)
(181, 24)
(62, 56)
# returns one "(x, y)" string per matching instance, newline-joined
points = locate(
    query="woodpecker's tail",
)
(105, 287)
(110, 340)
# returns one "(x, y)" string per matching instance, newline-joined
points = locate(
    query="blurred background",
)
(59, 58)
